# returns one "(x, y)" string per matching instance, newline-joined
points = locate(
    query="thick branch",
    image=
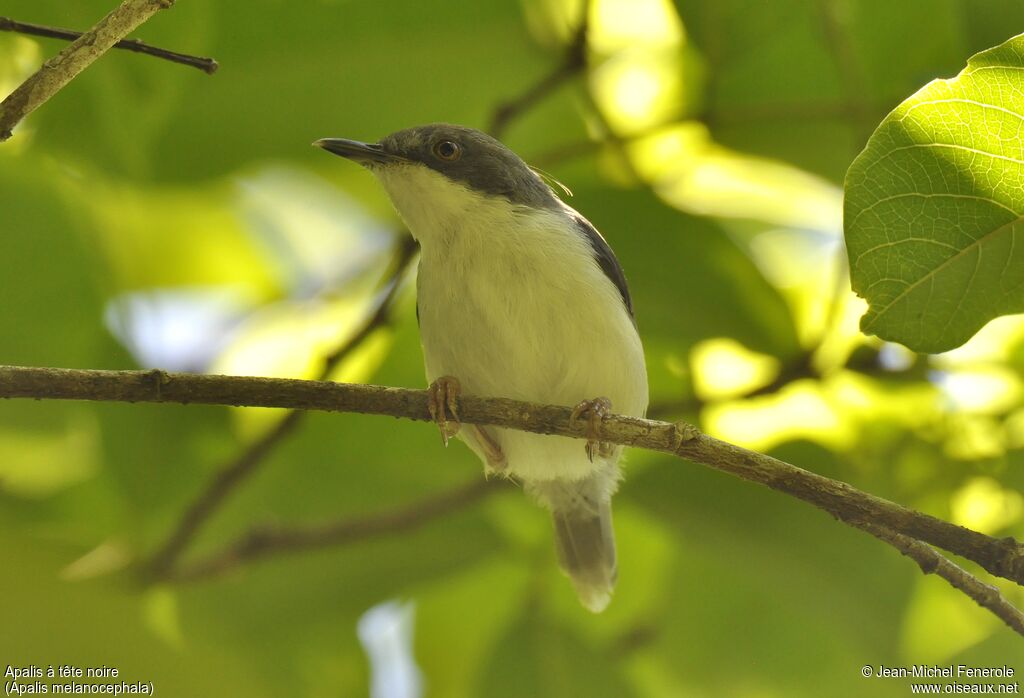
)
(207, 65)
(930, 562)
(264, 541)
(1002, 557)
(76, 57)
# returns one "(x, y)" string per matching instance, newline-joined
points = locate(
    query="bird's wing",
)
(605, 259)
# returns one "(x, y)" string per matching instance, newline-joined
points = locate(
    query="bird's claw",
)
(493, 454)
(595, 411)
(442, 400)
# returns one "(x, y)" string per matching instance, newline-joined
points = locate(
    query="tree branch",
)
(1002, 557)
(76, 57)
(231, 475)
(864, 361)
(573, 62)
(930, 562)
(263, 541)
(207, 65)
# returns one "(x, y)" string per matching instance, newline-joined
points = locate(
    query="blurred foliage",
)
(152, 215)
(932, 207)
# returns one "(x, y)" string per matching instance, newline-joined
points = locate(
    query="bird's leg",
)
(492, 451)
(443, 397)
(595, 411)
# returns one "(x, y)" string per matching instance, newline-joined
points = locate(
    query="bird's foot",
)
(442, 400)
(492, 451)
(595, 411)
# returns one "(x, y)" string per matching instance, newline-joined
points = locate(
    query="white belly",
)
(526, 313)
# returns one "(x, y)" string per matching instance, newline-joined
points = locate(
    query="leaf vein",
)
(929, 196)
(967, 290)
(954, 146)
(960, 100)
(910, 287)
(903, 241)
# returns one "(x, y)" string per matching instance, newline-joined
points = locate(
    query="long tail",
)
(582, 514)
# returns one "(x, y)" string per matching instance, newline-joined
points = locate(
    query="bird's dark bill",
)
(363, 153)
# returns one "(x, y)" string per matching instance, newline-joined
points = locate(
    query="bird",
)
(518, 296)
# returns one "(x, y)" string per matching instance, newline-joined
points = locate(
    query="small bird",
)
(518, 296)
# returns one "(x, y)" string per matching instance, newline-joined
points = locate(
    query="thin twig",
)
(231, 475)
(573, 63)
(799, 368)
(76, 57)
(264, 541)
(853, 82)
(207, 65)
(223, 483)
(1003, 557)
(931, 562)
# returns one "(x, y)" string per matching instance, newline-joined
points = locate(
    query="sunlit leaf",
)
(35, 464)
(798, 411)
(983, 505)
(161, 616)
(175, 236)
(934, 203)
(695, 174)
(639, 73)
(19, 58)
(724, 368)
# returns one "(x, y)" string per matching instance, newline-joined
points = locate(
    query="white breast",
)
(513, 303)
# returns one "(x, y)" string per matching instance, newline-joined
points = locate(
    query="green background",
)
(146, 186)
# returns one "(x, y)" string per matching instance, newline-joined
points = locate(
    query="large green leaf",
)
(934, 203)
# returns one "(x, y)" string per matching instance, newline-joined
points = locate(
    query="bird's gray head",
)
(464, 157)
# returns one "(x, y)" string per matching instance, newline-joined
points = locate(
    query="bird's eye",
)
(448, 150)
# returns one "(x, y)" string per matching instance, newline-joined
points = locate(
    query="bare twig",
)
(226, 480)
(207, 65)
(76, 57)
(231, 475)
(801, 367)
(853, 82)
(1003, 557)
(265, 541)
(573, 63)
(931, 562)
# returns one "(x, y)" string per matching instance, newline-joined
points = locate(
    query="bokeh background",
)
(153, 216)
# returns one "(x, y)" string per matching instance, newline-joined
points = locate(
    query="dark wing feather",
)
(606, 260)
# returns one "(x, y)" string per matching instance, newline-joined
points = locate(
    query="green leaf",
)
(933, 207)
